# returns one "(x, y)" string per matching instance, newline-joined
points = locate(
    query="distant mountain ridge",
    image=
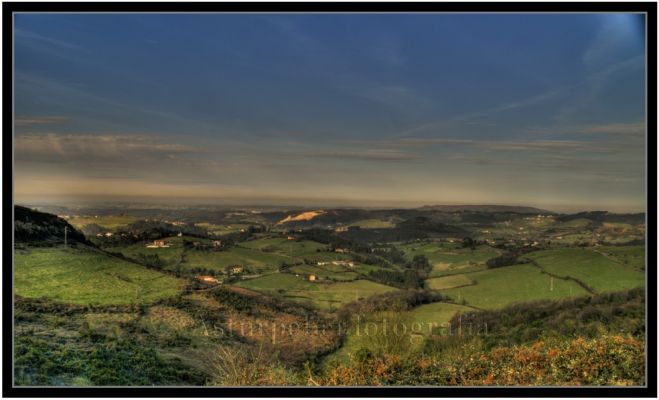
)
(486, 208)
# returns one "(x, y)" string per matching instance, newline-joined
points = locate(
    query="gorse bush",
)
(249, 367)
(606, 360)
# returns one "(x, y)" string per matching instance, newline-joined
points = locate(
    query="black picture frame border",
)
(650, 8)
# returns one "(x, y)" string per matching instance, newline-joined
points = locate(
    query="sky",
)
(373, 110)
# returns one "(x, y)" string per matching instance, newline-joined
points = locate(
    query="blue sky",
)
(335, 109)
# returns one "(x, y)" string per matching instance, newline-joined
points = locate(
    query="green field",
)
(88, 277)
(215, 229)
(601, 273)
(496, 288)
(281, 245)
(326, 272)
(449, 258)
(633, 256)
(322, 295)
(170, 255)
(373, 224)
(434, 314)
(448, 282)
(110, 221)
(251, 260)
(418, 322)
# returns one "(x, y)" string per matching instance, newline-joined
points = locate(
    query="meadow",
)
(598, 271)
(373, 223)
(500, 287)
(110, 222)
(413, 326)
(168, 255)
(251, 260)
(450, 258)
(448, 282)
(83, 276)
(325, 296)
(629, 256)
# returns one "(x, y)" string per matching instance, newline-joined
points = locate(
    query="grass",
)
(598, 271)
(496, 288)
(327, 296)
(326, 272)
(250, 260)
(434, 314)
(110, 221)
(170, 255)
(222, 229)
(418, 322)
(373, 224)
(577, 223)
(448, 282)
(633, 256)
(448, 258)
(87, 277)
(281, 245)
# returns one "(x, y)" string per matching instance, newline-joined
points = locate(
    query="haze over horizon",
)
(378, 110)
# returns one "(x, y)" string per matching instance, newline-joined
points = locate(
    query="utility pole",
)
(66, 230)
(551, 284)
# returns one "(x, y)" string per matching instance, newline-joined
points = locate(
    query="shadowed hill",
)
(35, 227)
(486, 208)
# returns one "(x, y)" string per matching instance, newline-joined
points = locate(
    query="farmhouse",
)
(291, 238)
(199, 245)
(237, 269)
(312, 278)
(344, 263)
(340, 250)
(217, 243)
(341, 229)
(207, 279)
(158, 244)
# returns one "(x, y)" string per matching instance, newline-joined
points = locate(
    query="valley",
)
(258, 296)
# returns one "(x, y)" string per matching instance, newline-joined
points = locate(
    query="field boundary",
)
(565, 278)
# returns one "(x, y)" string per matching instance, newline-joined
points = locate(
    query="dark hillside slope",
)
(486, 208)
(35, 227)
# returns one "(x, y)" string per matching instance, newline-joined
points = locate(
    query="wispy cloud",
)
(629, 129)
(23, 34)
(383, 155)
(57, 148)
(40, 120)
(529, 145)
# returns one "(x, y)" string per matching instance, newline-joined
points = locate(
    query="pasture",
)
(250, 260)
(326, 272)
(215, 229)
(417, 323)
(169, 255)
(499, 287)
(83, 276)
(632, 256)
(373, 224)
(598, 271)
(448, 282)
(110, 222)
(450, 258)
(281, 245)
(326, 296)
